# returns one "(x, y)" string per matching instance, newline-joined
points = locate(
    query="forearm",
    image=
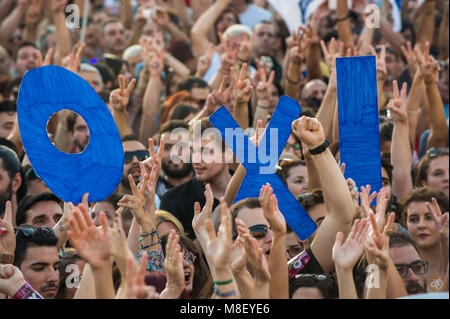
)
(444, 253)
(30, 32)
(224, 274)
(425, 30)
(401, 159)
(245, 284)
(86, 290)
(201, 27)
(177, 33)
(343, 26)
(103, 281)
(325, 114)
(438, 124)
(443, 35)
(380, 86)
(214, 83)
(313, 62)
(121, 120)
(133, 237)
(60, 230)
(126, 14)
(292, 81)
(346, 285)
(279, 281)
(313, 176)
(136, 33)
(261, 113)
(413, 105)
(62, 140)
(240, 111)
(62, 38)
(395, 39)
(395, 286)
(375, 291)
(177, 66)
(10, 24)
(150, 244)
(235, 184)
(150, 111)
(5, 8)
(366, 39)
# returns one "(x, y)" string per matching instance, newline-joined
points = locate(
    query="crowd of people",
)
(171, 229)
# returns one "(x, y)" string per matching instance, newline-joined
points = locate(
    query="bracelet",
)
(148, 233)
(343, 19)
(148, 246)
(292, 82)
(320, 149)
(262, 107)
(413, 112)
(27, 292)
(224, 294)
(6, 258)
(220, 283)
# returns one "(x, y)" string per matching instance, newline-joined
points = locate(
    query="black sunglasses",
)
(31, 231)
(259, 231)
(140, 155)
(315, 276)
(31, 174)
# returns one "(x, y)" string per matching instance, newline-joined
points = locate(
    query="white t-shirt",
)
(253, 15)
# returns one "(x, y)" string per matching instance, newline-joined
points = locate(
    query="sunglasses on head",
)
(315, 276)
(259, 231)
(433, 152)
(140, 155)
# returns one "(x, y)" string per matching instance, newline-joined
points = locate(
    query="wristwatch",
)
(6, 258)
(320, 149)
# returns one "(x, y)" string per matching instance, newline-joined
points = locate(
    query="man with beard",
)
(37, 258)
(209, 158)
(78, 132)
(410, 266)
(174, 170)
(12, 186)
(113, 34)
(313, 93)
(134, 152)
(27, 58)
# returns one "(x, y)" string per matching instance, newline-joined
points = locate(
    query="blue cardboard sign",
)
(98, 169)
(359, 137)
(259, 172)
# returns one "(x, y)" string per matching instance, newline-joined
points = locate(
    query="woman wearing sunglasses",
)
(432, 170)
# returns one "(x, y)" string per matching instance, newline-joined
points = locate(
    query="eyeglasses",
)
(294, 250)
(419, 267)
(30, 231)
(31, 173)
(433, 152)
(292, 146)
(140, 155)
(189, 257)
(259, 231)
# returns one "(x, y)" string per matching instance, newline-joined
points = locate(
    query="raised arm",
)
(12, 21)
(401, 155)
(441, 221)
(425, 29)
(335, 189)
(443, 35)
(279, 281)
(62, 33)
(292, 75)
(263, 89)
(343, 24)
(33, 18)
(346, 255)
(204, 24)
(126, 14)
(118, 100)
(429, 69)
(242, 93)
(313, 53)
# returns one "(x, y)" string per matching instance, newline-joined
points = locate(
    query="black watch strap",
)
(320, 149)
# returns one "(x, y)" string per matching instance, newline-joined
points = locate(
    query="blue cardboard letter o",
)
(98, 169)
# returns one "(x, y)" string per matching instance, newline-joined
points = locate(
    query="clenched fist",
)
(309, 131)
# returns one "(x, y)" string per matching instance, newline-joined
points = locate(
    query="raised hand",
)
(73, 60)
(242, 87)
(345, 255)
(48, 57)
(219, 97)
(7, 235)
(200, 216)
(366, 200)
(309, 131)
(58, 5)
(377, 244)
(228, 57)
(397, 106)
(173, 264)
(34, 12)
(154, 159)
(257, 260)
(11, 279)
(335, 50)
(410, 57)
(428, 66)
(239, 256)
(441, 220)
(263, 84)
(271, 212)
(218, 249)
(204, 62)
(120, 97)
(119, 246)
(297, 52)
(92, 243)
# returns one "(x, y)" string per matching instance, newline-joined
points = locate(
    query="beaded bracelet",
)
(224, 294)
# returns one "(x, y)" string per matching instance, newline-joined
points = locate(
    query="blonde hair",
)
(165, 216)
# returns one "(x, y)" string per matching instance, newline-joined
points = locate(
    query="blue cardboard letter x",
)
(286, 112)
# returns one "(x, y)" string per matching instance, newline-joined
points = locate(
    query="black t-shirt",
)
(180, 200)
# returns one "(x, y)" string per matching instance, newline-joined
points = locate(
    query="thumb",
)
(8, 213)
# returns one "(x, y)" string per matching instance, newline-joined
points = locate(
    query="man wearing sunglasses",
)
(36, 256)
(410, 266)
(134, 152)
